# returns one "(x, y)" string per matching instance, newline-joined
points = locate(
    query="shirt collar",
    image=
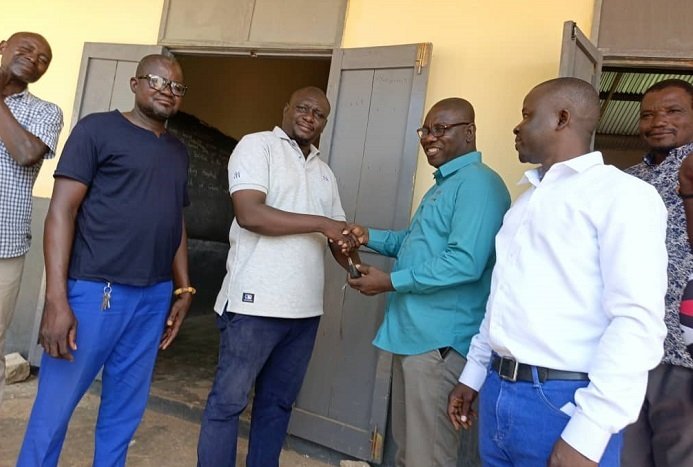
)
(675, 154)
(278, 132)
(19, 95)
(576, 165)
(452, 166)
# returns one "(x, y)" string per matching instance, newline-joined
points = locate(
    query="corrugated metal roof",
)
(620, 115)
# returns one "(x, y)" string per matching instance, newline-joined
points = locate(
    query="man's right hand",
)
(58, 334)
(334, 231)
(460, 410)
(358, 233)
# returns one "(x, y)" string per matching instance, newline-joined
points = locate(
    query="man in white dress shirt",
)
(574, 321)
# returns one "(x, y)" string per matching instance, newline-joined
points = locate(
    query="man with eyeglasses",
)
(29, 129)
(439, 284)
(115, 249)
(286, 206)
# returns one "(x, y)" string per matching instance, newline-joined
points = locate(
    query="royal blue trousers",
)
(519, 422)
(273, 354)
(123, 340)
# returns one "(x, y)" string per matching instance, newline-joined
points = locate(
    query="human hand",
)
(686, 174)
(460, 410)
(334, 231)
(372, 281)
(58, 331)
(564, 455)
(358, 233)
(179, 310)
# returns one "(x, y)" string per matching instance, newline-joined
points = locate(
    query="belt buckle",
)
(512, 366)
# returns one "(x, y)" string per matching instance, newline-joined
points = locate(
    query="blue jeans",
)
(520, 422)
(124, 341)
(273, 353)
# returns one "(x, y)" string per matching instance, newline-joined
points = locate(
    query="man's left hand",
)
(179, 310)
(564, 455)
(372, 281)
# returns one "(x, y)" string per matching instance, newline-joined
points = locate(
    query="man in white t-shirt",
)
(286, 204)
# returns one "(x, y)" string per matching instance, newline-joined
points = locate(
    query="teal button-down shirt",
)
(444, 260)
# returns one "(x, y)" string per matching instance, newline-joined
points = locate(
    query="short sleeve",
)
(47, 126)
(249, 165)
(79, 157)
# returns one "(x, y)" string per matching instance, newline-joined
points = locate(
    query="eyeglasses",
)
(316, 113)
(159, 83)
(438, 130)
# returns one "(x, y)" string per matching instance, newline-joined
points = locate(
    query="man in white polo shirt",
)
(286, 205)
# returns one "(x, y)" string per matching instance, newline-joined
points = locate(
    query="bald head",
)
(448, 131)
(558, 119)
(305, 116)
(150, 61)
(25, 57)
(576, 96)
(31, 35)
(457, 105)
(311, 92)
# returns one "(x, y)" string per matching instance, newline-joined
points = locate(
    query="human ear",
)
(563, 119)
(133, 84)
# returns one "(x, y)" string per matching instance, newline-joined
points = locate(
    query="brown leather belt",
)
(511, 370)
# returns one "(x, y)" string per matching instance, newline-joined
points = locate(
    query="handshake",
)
(367, 279)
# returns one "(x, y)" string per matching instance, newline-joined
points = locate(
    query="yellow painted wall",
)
(491, 52)
(488, 51)
(67, 24)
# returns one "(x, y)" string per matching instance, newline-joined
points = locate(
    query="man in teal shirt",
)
(439, 283)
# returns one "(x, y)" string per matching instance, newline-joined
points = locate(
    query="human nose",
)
(167, 89)
(516, 130)
(659, 119)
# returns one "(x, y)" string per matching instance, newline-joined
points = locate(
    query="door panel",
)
(579, 57)
(377, 96)
(104, 77)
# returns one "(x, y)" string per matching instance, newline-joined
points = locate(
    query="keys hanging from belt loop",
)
(106, 302)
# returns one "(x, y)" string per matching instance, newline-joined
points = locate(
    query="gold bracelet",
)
(182, 290)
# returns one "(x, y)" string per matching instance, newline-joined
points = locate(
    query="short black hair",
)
(671, 83)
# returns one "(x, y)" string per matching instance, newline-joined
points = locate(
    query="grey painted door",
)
(579, 57)
(377, 96)
(104, 77)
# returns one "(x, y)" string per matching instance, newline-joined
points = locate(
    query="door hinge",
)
(422, 53)
(376, 445)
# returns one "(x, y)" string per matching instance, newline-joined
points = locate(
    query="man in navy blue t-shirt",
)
(115, 245)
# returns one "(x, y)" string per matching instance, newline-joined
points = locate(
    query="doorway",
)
(228, 97)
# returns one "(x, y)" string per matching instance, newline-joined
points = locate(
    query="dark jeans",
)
(273, 353)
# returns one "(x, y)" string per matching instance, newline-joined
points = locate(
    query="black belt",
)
(511, 370)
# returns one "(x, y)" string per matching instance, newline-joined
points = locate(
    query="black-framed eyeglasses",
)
(159, 83)
(315, 112)
(438, 130)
